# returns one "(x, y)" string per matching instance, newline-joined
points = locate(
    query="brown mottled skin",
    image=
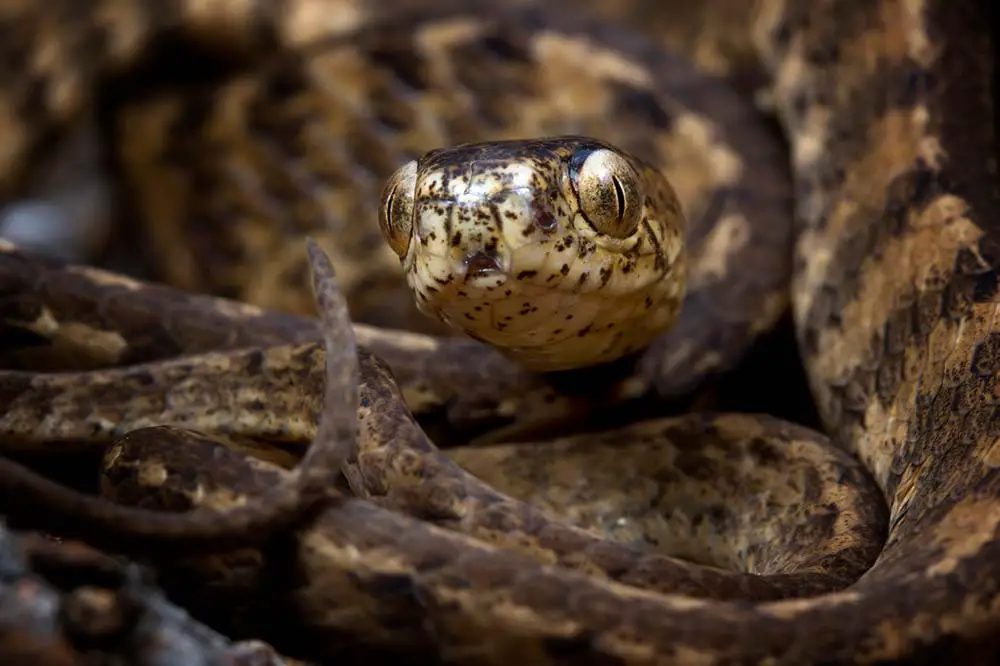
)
(705, 539)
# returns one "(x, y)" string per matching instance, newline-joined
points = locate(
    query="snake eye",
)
(395, 215)
(608, 189)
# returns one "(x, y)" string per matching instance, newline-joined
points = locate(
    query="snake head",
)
(560, 252)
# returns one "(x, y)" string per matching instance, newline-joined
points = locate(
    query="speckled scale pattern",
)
(279, 508)
(339, 116)
(502, 250)
(888, 113)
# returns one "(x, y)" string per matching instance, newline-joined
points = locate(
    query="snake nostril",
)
(545, 220)
(481, 263)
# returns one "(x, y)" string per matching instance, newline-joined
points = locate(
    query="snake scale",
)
(700, 539)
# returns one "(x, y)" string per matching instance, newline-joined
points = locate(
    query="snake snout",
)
(520, 247)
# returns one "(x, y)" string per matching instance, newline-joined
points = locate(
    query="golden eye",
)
(609, 191)
(395, 215)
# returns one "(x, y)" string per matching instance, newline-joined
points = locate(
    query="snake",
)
(701, 538)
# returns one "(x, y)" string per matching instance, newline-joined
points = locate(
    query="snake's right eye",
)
(395, 216)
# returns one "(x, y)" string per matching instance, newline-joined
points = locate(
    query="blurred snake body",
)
(697, 539)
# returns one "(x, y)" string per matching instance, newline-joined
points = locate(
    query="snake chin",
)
(560, 252)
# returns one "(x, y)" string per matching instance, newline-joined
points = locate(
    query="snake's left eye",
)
(609, 191)
(395, 214)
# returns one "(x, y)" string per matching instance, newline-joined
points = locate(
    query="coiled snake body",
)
(702, 539)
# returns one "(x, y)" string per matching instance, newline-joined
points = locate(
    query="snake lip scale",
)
(704, 538)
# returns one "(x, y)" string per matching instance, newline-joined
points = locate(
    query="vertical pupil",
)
(620, 193)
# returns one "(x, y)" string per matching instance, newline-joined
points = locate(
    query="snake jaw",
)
(514, 248)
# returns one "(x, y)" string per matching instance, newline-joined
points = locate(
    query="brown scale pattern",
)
(879, 546)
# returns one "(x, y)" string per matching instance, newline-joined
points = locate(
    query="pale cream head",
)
(561, 252)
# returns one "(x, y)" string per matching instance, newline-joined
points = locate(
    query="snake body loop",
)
(705, 538)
